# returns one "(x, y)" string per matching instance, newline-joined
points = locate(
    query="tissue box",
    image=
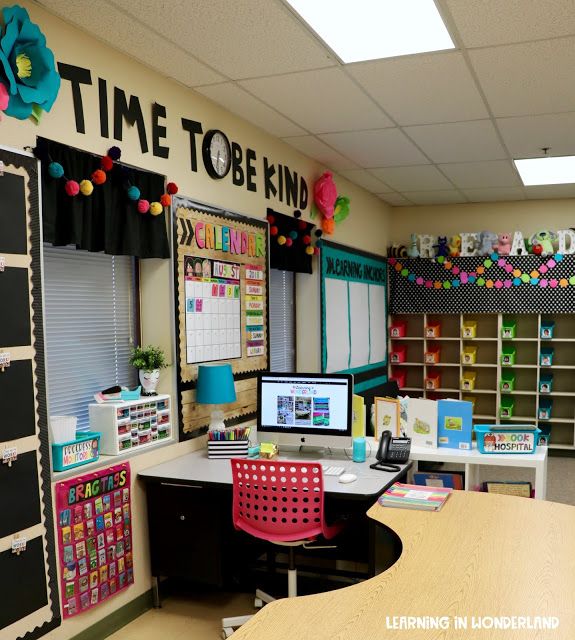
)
(508, 356)
(469, 329)
(433, 330)
(546, 357)
(508, 329)
(431, 356)
(433, 380)
(400, 377)
(507, 383)
(545, 406)
(468, 380)
(545, 383)
(398, 354)
(547, 327)
(398, 329)
(469, 355)
(506, 408)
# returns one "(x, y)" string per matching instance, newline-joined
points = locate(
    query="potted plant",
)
(148, 360)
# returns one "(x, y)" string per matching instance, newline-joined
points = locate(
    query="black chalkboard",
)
(12, 214)
(20, 497)
(23, 584)
(17, 401)
(15, 301)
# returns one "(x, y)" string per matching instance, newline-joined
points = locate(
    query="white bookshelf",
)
(487, 394)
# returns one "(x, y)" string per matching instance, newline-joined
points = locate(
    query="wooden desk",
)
(482, 555)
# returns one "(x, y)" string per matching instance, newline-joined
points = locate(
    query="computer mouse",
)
(345, 478)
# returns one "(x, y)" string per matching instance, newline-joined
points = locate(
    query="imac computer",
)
(305, 409)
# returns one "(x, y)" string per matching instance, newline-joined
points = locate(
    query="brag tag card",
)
(4, 357)
(2, 263)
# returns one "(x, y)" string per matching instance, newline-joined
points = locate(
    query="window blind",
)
(282, 321)
(90, 317)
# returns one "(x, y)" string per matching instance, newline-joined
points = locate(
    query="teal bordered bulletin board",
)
(354, 314)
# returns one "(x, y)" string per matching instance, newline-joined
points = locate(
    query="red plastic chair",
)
(280, 501)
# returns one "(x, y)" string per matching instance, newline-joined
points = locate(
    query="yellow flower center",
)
(23, 65)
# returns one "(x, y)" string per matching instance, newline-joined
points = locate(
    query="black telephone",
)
(391, 450)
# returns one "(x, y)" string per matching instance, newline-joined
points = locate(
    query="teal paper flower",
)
(26, 66)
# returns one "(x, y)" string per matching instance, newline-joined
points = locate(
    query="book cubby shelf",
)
(521, 368)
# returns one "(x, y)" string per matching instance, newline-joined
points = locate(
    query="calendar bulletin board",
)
(221, 285)
(94, 538)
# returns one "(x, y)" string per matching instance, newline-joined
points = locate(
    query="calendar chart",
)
(213, 310)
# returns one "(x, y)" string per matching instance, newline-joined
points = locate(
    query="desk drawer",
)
(187, 531)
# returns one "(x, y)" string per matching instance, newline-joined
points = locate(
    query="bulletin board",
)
(221, 297)
(354, 314)
(94, 523)
(29, 604)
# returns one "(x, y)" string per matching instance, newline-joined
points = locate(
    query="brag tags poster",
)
(94, 537)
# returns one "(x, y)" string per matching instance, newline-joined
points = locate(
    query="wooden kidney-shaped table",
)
(484, 559)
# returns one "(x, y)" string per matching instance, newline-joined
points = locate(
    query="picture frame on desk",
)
(386, 416)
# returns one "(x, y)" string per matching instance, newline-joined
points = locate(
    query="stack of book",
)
(413, 496)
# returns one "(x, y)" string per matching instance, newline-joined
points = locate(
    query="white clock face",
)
(220, 154)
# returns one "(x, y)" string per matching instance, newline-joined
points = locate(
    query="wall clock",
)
(217, 154)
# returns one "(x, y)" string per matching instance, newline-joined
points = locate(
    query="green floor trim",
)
(118, 619)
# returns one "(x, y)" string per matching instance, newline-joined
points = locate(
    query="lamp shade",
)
(215, 384)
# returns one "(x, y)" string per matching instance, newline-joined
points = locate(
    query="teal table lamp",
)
(215, 386)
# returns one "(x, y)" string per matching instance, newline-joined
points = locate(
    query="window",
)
(91, 321)
(282, 321)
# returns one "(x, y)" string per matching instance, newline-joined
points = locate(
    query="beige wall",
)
(367, 226)
(499, 217)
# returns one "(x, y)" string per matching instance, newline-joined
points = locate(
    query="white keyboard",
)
(332, 471)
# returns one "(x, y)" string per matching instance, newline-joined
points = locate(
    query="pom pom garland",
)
(293, 235)
(72, 188)
(309, 250)
(166, 200)
(302, 224)
(156, 208)
(143, 206)
(316, 251)
(55, 170)
(86, 187)
(307, 239)
(172, 188)
(273, 231)
(281, 240)
(114, 153)
(106, 163)
(289, 242)
(271, 219)
(297, 213)
(318, 233)
(99, 177)
(133, 193)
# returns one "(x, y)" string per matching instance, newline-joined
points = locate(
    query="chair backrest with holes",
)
(278, 500)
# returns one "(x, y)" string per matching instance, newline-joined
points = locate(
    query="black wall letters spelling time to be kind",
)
(279, 181)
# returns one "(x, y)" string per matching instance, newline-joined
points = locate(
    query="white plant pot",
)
(149, 381)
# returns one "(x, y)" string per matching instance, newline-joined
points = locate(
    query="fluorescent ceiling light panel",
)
(559, 170)
(371, 29)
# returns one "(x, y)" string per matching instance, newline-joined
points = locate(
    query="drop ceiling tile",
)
(395, 199)
(526, 135)
(415, 178)
(492, 22)
(366, 180)
(113, 27)
(422, 89)
(240, 102)
(240, 39)
(376, 148)
(475, 175)
(318, 150)
(542, 192)
(458, 141)
(435, 197)
(494, 195)
(527, 79)
(320, 101)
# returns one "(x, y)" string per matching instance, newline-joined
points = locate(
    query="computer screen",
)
(305, 408)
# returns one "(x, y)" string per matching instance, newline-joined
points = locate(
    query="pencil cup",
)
(228, 448)
(358, 453)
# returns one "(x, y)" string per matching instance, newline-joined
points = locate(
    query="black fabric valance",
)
(294, 257)
(106, 220)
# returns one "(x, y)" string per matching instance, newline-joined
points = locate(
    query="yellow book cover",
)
(358, 417)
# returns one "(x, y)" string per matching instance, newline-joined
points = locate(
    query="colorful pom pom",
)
(273, 231)
(55, 170)
(302, 224)
(328, 225)
(309, 251)
(143, 206)
(289, 242)
(293, 235)
(166, 200)
(316, 251)
(86, 188)
(281, 240)
(307, 239)
(172, 188)
(156, 208)
(72, 188)
(318, 233)
(99, 177)
(106, 163)
(297, 213)
(114, 153)
(133, 193)
(271, 219)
